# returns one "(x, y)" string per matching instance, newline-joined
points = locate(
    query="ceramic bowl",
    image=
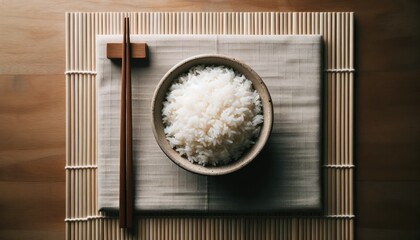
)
(183, 67)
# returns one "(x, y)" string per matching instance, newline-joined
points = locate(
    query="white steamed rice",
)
(212, 115)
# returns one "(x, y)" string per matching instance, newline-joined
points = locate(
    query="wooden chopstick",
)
(126, 136)
(129, 132)
(122, 198)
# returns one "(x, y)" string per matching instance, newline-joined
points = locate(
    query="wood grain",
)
(138, 50)
(389, 132)
(32, 156)
(32, 126)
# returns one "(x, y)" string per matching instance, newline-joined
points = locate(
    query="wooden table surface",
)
(32, 109)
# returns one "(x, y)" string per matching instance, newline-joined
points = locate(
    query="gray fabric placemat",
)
(285, 177)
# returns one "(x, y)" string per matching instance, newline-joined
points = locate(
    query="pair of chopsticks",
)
(126, 211)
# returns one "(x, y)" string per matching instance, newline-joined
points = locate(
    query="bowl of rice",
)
(211, 114)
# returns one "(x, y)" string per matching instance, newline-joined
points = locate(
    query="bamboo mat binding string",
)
(82, 218)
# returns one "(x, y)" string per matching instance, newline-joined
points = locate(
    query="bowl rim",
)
(250, 154)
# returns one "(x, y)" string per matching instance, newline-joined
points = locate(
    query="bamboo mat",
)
(337, 219)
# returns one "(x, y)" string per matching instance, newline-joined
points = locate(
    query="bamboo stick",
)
(68, 130)
(351, 88)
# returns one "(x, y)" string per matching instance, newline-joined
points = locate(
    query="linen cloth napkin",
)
(287, 174)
